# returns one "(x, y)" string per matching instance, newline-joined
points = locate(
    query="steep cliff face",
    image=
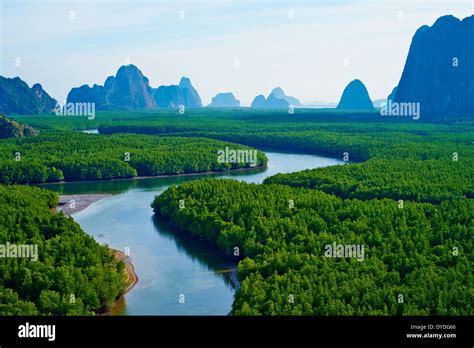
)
(190, 95)
(176, 95)
(391, 96)
(439, 70)
(355, 97)
(17, 98)
(44, 102)
(129, 89)
(169, 96)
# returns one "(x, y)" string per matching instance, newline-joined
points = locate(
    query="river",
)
(177, 274)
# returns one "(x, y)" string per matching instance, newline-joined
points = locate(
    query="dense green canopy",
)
(56, 156)
(405, 196)
(72, 275)
(422, 252)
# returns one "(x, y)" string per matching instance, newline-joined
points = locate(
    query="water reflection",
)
(210, 257)
(169, 262)
(153, 183)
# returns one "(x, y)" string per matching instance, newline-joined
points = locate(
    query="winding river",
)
(177, 275)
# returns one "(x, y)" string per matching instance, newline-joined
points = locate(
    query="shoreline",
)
(130, 270)
(72, 204)
(152, 176)
(132, 281)
(233, 266)
(82, 201)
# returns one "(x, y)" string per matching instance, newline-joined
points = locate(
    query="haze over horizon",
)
(312, 50)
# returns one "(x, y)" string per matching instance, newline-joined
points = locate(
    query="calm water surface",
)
(168, 263)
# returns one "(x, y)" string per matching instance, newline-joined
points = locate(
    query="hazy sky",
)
(311, 49)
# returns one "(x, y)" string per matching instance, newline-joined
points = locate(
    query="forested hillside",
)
(418, 258)
(71, 274)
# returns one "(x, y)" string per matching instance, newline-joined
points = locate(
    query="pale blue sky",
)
(300, 46)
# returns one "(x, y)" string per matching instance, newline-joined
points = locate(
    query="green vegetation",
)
(216, 119)
(418, 253)
(72, 275)
(410, 246)
(409, 251)
(422, 181)
(58, 155)
(409, 161)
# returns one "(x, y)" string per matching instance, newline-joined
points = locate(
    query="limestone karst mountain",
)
(258, 102)
(224, 100)
(279, 94)
(439, 70)
(392, 94)
(275, 100)
(17, 98)
(129, 89)
(355, 97)
(190, 95)
(174, 96)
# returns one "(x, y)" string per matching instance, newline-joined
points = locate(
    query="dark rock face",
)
(224, 100)
(169, 96)
(355, 97)
(392, 95)
(17, 98)
(279, 94)
(190, 95)
(129, 89)
(176, 95)
(13, 129)
(44, 101)
(439, 70)
(82, 94)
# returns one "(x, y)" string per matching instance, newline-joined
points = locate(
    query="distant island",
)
(440, 85)
(275, 100)
(224, 100)
(355, 97)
